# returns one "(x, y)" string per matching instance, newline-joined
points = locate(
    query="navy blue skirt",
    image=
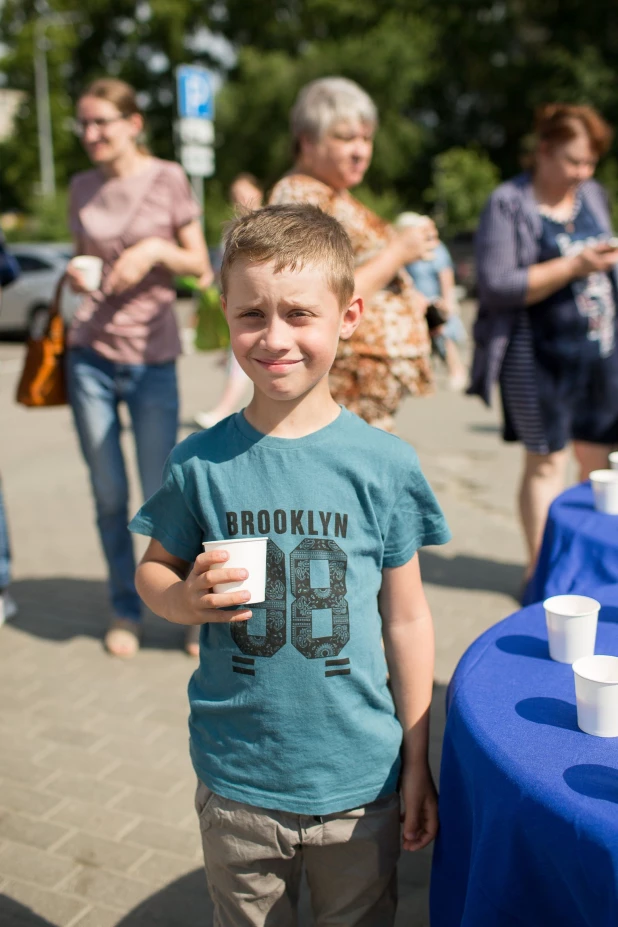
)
(548, 402)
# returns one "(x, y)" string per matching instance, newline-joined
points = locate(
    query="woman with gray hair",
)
(333, 123)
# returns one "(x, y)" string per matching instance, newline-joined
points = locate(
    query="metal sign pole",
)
(194, 128)
(43, 112)
(198, 189)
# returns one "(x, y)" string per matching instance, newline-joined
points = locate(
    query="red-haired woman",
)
(546, 328)
(135, 212)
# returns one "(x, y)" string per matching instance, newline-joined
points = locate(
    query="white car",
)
(24, 304)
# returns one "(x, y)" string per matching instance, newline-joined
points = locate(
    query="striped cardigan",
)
(507, 243)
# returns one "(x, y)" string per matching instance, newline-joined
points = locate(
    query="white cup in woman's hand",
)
(89, 269)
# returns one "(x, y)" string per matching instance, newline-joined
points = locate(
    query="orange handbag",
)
(42, 382)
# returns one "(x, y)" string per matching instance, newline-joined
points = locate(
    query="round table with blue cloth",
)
(528, 802)
(580, 548)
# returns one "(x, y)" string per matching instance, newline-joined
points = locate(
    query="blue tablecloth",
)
(528, 803)
(580, 548)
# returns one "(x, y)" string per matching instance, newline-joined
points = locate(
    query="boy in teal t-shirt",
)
(303, 750)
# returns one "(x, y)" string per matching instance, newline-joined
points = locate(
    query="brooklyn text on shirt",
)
(294, 521)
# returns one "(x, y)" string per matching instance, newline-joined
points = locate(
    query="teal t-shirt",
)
(291, 709)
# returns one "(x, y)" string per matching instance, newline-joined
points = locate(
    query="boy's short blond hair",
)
(292, 236)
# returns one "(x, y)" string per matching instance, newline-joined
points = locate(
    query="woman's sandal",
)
(122, 638)
(192, 640)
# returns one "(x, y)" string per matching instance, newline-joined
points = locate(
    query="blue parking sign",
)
(195, 92)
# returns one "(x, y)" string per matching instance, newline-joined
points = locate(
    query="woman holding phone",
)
(546, 327)
(137, 215)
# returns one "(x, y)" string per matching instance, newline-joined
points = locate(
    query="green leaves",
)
(462, 179)
(455, 83)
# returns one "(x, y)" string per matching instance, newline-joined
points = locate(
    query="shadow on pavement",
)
(64, 607)
(183, 903)
(186, 903)
(464, 572)
(14, 914)
(483, 429)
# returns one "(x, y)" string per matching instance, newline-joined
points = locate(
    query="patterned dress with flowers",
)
(388, 355)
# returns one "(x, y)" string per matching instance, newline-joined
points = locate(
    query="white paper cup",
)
(613, 460)
(245, 554)
(596, 692)
(571, 626)
(90, 267)
(605, 489)
(411, 220)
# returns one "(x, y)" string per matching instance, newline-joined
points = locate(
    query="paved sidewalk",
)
(97, 827)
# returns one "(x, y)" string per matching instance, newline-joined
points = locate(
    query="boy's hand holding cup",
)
(228, 573)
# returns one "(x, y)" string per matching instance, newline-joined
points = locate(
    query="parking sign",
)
(195, 92)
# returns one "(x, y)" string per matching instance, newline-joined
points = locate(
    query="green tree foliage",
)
(47, 220)
(462, 179)
(608, 176)
(253, 106)
(140, 41)
(454, 75)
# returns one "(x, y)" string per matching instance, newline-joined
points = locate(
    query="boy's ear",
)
(351, 317)
(223, 305)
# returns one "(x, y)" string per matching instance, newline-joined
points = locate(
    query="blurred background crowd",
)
(455, 84)
(434, 112)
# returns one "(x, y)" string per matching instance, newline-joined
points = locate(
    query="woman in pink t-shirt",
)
(137, 213)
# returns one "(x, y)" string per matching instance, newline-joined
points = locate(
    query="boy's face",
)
(285, 326)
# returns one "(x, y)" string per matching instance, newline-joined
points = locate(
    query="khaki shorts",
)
(253, 859)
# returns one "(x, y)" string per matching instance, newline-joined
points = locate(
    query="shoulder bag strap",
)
(54, 308)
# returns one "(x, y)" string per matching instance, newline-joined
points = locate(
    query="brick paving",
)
(97, 827)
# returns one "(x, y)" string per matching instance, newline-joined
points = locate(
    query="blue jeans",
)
(5, 550)
(96, 387)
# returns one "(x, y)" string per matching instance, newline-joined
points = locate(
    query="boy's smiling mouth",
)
(277, 363)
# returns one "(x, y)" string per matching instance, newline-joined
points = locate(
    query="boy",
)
(294, 735)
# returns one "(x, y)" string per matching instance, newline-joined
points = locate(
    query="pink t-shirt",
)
(107, 216)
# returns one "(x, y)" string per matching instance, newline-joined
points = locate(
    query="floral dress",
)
(388, 356)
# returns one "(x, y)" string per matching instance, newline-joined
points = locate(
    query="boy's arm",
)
(407, 629)
(182, 593)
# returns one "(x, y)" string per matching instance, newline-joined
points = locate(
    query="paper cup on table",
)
(596, 693)
(613, 460)
(605, 489)
(91, 268)
(571, 626)
(245, 554)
